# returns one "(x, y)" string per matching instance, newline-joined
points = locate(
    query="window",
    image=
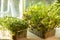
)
(11, 8)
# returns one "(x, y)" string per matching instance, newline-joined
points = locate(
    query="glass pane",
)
(48, 1)
(0, 5)
(30, 2)
(5, 5)
(16, 7)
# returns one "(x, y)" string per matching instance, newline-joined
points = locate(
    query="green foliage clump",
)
(15, 25)
(58, 1)
(42, 17)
